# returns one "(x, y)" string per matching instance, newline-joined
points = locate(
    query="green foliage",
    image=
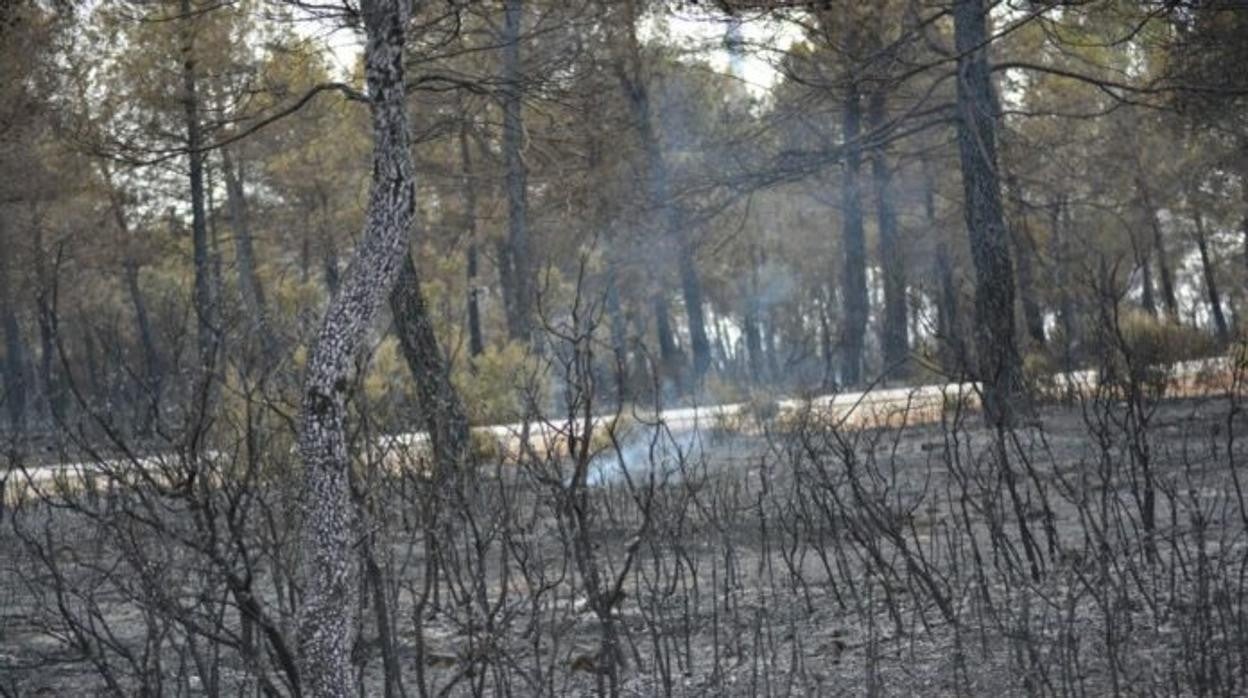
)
(493, 387)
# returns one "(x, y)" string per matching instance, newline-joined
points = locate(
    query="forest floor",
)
(744, 588)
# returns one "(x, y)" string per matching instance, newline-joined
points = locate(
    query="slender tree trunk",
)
(890, 253)
(152, 368)
(14, 354)
(327, 532)
(669, 222)
(1158, 245)
(205, 297)
(753, 338)
(440, 406)
(251, 290)
(1065, 304)
(1211, 280)
(520, 268)
(1144, 260)
(854, 303)
(1024, 262)
(669, 354)
(999, 361)
(476, 341)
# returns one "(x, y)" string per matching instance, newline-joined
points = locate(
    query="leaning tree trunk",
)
(890, 254)
(854, 272)
(1211, 279)
(519, 265)
(999, 361)
(327, 536)
(249, 285)
(440, 406)
(1158, 245)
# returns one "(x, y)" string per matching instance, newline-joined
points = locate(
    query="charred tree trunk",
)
(999, 361)
(440, 406)
(208, 328)
(249, 285)
(1065, 303)
(1144, 260)
(893, 335)
(753, 316)
(14, 354)
(1211, 281)
(327, 532)
(854, 273)
(519, 265)
(1025, 262)
(152, 368)
(1158, 245)
(476, 341)
(668, 221)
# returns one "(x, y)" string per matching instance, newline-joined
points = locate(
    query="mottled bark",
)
(440, 407)
(518, 258)
(1211, 280)
(999, 362)
(250, 288)
(854, 303)
(890, 253)
(327, 532)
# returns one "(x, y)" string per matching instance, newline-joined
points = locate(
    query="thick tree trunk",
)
(208, 328)
(854, 304)
(999, 361)
(327, 533)
(476, 341)
(519, 264)
(1211, 281)
(890, 253)
(250, 288)
(440, 406)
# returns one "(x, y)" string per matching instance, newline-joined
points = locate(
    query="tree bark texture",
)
(327, 533)
(999, 361)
